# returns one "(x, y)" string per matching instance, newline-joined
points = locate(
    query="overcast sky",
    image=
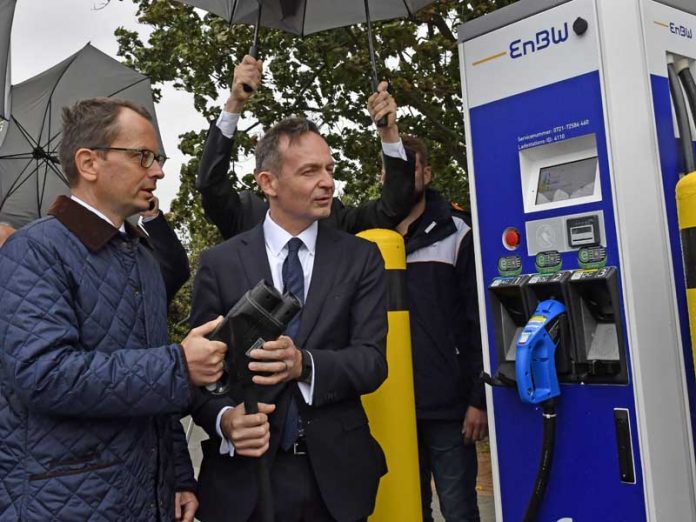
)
(46, 32)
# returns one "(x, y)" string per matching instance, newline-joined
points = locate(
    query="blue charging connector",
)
(537, 383)
(535, 365)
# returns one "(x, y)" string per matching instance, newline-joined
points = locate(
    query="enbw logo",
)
(680, 30)
(542, 40)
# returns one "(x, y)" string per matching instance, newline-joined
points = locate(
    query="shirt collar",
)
(277, 237)
(93, 231)
(121, 229)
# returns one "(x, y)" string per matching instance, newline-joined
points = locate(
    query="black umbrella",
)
(7, 8)
(304, 17)
(30, 173)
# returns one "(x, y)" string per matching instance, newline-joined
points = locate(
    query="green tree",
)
(325, 77)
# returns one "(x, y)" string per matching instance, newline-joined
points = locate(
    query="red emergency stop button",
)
(511, 238)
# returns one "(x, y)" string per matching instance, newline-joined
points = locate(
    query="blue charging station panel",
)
(585, 469)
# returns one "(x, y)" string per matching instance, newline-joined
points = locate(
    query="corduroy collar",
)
(89, 228)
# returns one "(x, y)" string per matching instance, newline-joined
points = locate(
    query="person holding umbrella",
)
(90, 389)
(233, 213)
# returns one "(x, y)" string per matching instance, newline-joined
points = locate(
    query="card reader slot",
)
(624, 446)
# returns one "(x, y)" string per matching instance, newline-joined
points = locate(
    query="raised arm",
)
(221, 203)
(396, 198)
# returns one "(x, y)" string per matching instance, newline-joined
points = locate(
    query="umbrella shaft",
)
(253, 51)
(373, 61)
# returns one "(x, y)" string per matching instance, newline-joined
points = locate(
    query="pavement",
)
(484, 486)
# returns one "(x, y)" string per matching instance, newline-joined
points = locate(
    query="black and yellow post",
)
(686, 212)
(391, 409)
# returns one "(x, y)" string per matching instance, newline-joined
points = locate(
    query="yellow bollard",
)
(392, 408)
(686, 212)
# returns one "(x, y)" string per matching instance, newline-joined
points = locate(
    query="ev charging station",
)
(574, 150)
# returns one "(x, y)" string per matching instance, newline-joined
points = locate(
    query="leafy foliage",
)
(326, 77)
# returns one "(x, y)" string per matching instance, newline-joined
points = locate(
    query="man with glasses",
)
(90, 389)
(147, 157)
(166, 247)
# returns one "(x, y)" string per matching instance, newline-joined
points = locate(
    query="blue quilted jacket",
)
(90, 391)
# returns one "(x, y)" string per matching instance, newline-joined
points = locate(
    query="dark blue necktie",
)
(293, 281)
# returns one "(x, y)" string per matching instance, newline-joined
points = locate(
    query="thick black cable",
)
(685, 143)
(265, 502)
(542, 478)
(690, 89)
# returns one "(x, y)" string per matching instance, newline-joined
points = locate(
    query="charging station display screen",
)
(571, 180)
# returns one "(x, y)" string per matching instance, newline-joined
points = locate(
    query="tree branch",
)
(441, 24)
(427, 111)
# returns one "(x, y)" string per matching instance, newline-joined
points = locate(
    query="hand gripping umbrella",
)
(30, 172)
(304, 17)
(6, 14)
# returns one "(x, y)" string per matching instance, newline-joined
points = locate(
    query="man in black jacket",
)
(445, 338)
(233, 212)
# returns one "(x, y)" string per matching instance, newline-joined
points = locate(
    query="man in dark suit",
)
(325, 465)
(233, 212)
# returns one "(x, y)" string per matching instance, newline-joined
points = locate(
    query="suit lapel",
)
(254, 259)
(327, 258)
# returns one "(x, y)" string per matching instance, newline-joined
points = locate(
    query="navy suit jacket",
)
(344, 327)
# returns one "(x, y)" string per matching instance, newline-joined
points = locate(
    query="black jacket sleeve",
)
(360, 367)
(393, 205)
(229, 211)
(170, 254)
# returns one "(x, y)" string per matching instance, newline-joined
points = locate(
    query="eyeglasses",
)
(147, 157)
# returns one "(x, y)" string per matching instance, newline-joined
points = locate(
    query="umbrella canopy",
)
(30, 173)
(304, 17)
(7, 8)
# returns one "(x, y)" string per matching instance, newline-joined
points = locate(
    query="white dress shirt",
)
(276, 239)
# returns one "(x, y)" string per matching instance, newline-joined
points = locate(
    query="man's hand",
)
(204, 358)
(281, 359)
(185, 506)
(475, 426)
(5, 232)
(248, 72)
(153, 211)
(381, 104)
(250, 434)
